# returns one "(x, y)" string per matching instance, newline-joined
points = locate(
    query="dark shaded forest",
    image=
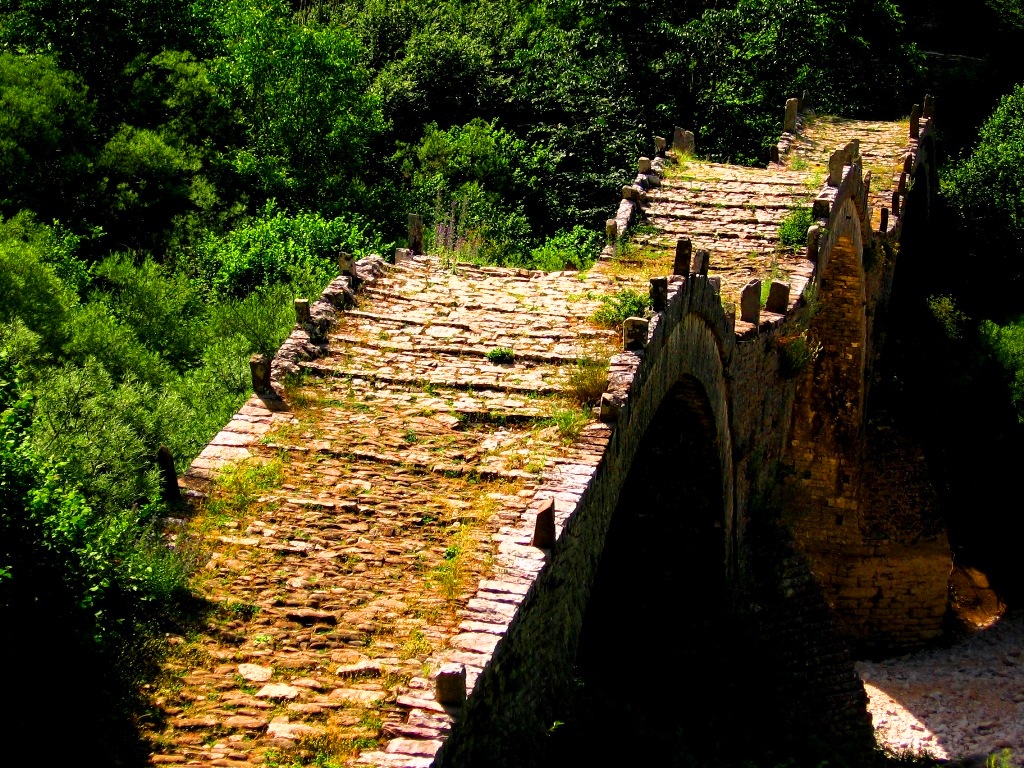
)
(175, 173)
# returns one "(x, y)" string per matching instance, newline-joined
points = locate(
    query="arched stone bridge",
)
(418, 503)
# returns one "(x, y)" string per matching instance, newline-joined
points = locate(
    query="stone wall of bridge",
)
(888, 587)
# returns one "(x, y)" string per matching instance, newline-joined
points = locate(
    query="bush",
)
(983, 193)
(576, 248)
(300, 250)
(95, 586)
(619, 306)
(793, 229)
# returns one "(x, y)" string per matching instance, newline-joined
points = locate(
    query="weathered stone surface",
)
(255, 673)
(277, 691)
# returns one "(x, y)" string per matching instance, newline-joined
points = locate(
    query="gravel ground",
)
(963, 701)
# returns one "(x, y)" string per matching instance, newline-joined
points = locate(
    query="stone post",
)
(896, 203)
(415, 233)
(659, 293)
(611, 230)
(681, 265)
(812, 242)
(683, 141)
(403, 254)
(778, 297)
(259, 369)
(750, 303)
(915, 117)
(659, 145)
(634, 333)
(450, 685)
(644, 165)
(792, 108)
(701, 262)
(544, 529)
(302, 316)
(884, 226)
(168, 476)
(929, 106)
(836, 163)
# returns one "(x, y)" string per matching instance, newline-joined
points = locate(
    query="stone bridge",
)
(416, 504)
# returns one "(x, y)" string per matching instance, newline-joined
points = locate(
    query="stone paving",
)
(734, 213)
(374, 522)
(883, 146)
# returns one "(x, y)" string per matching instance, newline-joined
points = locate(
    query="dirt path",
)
(953, 702)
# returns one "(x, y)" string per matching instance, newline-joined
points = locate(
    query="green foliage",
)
(303, 104)
(570, 422)
(100, 582)
(793, 228)
(44, 112)
(576, 248)
(501, 356)
(983, 193)
(621, 305)
(1005, 343)
(30, 289)
(275, 248)
(588, 380)
(796, 353)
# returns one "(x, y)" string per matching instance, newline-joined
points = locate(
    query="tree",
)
(45, 135)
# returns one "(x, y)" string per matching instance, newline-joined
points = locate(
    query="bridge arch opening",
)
(657, 649)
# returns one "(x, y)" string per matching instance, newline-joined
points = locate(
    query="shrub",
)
(793, 229)
(588, 380)
(616, 308)
(501, 356)
(576, 248)
(274, 248)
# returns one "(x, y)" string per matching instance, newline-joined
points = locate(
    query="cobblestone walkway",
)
(377, 521)
(882, 149)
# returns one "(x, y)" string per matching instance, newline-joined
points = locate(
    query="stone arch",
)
(663, 574)
(829, 413)
(700, 360)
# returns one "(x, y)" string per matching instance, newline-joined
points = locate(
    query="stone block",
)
(259, 369)
(660, 144)
(659, 293)
(884, 225)
(302, 311)
(836, 162)
(450, 685)
(915, 121)
(684, 250)
(683, 141)
(634, 333)
(611, 230)
(544, 534)
(789, 121)
(778, 297)
(716, 284)
(610, 408)
(644, 165)
(701, 261)
(750, 302)
(415, 233)
(403, 255)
